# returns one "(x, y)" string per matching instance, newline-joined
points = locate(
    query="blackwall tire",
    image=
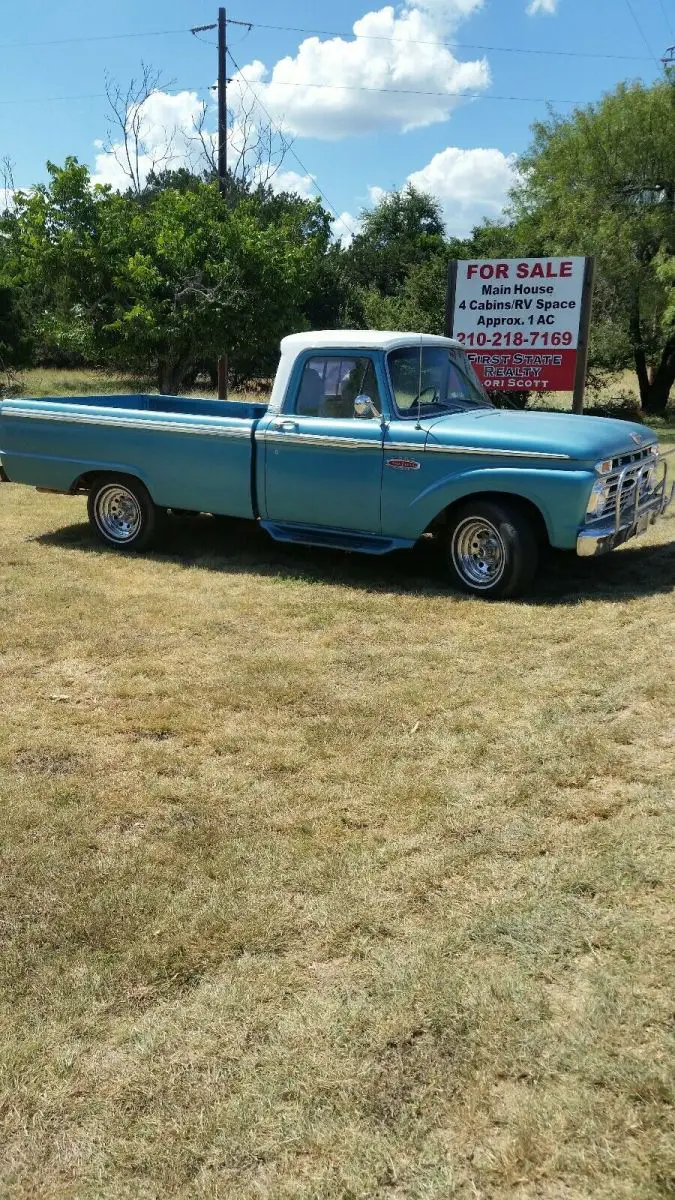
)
(491, 549)
(122, 513)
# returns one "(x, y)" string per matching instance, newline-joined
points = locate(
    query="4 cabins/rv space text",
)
(535, 303)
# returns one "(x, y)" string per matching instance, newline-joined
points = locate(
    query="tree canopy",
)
(602, 182)
(161, 281)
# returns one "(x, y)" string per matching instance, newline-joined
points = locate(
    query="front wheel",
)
(122, 513)
(491, 549)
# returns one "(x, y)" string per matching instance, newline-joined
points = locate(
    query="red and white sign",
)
(519, 321)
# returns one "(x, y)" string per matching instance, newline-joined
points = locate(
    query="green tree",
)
(50, 256)
(163, 280)
(602, 182)
(403, 231)
(419, 303)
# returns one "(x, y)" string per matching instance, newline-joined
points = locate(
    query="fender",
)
(560, 496)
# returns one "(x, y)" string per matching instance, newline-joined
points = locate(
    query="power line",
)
(289, 148)
(55, 99)
(641, 32)
(369, 37)
(666, 17)
(150, 33)
(94, 96)
(102, 37)
(344, 87)
(348, 87)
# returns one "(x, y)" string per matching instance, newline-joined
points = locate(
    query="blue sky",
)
(353, 142)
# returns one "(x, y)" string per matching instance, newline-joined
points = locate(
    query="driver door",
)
(323, 463)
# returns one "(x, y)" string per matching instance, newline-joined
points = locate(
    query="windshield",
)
(446, 382)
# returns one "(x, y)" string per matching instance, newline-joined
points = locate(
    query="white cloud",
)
(451, 12)
(547, 7)
(292, 181)
(345, 227)
(375, 194)
(338, 88)
(167, 124)
(174, 132)
(470, 184)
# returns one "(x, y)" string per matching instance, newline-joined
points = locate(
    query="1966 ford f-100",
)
(369, 441)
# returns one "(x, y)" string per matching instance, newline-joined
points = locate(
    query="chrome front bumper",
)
(628, 520)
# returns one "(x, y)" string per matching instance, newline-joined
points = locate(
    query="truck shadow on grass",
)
(239, 547)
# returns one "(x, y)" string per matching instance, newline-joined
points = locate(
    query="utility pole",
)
(222, 146)
(222, 100)
(222, 155)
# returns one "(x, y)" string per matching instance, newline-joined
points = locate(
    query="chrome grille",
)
(635, 456)
(633, 486)
(640, 476)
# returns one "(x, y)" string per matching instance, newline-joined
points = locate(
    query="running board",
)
(335, 539)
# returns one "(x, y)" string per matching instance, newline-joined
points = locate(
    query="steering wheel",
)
(435, 396)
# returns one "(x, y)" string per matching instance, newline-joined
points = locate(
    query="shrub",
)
(623, 407)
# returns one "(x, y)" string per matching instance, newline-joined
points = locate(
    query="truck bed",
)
(190, 406)
(190, 453)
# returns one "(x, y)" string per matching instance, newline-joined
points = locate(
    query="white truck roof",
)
(359, 339)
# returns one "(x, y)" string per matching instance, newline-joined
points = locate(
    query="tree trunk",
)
(170, 376)
(639, 356)
(658, 392)
(654, 382)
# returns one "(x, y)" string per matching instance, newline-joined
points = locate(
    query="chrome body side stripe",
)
(478, 451)
(318, 439)
(162, 426)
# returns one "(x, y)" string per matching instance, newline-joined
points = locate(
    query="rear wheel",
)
(122, 513)
(490, 549)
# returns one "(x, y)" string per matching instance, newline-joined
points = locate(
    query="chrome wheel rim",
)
(478, 552)
(118, 513)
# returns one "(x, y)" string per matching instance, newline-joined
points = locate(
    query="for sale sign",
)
(519, 320)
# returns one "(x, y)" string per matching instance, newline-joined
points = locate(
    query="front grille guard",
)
(630, 501)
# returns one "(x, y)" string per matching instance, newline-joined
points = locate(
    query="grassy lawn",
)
(56, 381)
(319, 881)
(59, 381)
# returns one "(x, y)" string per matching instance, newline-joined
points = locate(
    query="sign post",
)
(523, 322)
(584, 331)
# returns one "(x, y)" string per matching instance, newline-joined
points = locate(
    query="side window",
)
(329, 387)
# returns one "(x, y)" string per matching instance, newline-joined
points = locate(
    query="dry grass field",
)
(319, 881)
(57, 381)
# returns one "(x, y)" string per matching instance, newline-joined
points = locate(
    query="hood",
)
(586, 439)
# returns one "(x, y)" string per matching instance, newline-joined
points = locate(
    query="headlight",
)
(598, 498)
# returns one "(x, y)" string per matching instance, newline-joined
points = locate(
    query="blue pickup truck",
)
(370, 441)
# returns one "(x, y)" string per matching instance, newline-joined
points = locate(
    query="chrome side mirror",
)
(364, 408)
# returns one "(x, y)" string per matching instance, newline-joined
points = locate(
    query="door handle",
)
(285, 426)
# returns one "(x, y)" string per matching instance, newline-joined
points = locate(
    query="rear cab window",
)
(330, 385)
